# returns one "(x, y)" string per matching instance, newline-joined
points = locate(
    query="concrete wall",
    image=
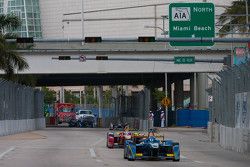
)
(237, 139)
(8, 127)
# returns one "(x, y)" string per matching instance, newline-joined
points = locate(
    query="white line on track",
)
(6, 152)
(183, 157)
(98, 160)
(93, 145)
(92, 152)
(199, 162)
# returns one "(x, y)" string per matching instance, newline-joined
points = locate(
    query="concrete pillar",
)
(179, 94)
(100, 99)
(114, 94)
(193, 91)
(85, 97)
(114, 91)
(166, 95)
(147, 102)
(62, 99)
(202, 85)
(94, 92)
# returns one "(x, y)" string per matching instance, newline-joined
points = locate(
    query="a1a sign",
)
(191, 20)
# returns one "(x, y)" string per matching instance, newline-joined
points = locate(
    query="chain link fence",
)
(21, 108)
(230, 82)
(230, 108)
(132, 109)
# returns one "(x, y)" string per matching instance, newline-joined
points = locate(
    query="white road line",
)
(98, 160)
(6, 152)
(199, 162)
(92, 152)
(93, 145)
(183, 157)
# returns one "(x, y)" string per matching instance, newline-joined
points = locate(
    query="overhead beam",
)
(107, 40)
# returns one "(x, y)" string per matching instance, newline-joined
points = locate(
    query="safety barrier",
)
(193, 118)
(237, 139)
(21, 108)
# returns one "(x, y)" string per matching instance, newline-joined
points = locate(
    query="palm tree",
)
(9, 58)
(238, 23)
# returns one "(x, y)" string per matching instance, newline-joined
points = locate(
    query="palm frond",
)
(238, 22)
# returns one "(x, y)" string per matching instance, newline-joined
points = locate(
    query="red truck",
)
(65, 112)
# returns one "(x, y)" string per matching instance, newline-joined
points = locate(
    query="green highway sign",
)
(191, 20)
(184, 60)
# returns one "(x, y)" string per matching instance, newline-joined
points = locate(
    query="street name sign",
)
(191, 20)
(184, 60)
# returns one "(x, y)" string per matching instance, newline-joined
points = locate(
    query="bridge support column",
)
(193, 91)
(100, 103)
(114, 94)
(202, 85)
(62, 99)
(166, 95)
(178, 94)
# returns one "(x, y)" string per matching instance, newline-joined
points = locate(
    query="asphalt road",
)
(77, 147)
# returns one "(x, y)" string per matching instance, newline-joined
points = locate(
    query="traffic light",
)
(25, 40)
(64, 58)
(101, 58)
(93, 39)
(146, 39)
(227, 61)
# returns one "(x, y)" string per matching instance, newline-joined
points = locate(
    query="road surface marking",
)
(199, 162)
(6, 152)
(183, 157)
(93, 145)
(92, 152)
(98, 160)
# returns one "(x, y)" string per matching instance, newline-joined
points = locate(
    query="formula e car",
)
(118, 138)
(152, 148)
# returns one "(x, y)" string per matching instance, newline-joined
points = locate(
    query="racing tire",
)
(131, 159)
(176, 160)
(124, 154)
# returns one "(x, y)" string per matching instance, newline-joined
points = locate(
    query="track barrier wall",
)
(192, 118)
(229, 123)
(21, 108)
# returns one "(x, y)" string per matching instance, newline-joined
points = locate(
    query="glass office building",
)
(29, 13)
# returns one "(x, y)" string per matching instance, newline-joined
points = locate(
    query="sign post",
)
(191, 20)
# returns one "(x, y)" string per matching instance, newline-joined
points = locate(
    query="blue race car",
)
(152, 148)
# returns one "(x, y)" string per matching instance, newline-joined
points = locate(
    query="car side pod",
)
(130, 150)
(176, 150)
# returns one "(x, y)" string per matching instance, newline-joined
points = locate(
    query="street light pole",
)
(246, 1)
(82, 20)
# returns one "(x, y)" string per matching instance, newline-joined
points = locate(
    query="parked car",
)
(85, 118)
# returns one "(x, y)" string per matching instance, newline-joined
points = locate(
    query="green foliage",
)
(158, 95)
(107, 98)
(92, 100)
(10, 60)
(49, 96)
(28, 80)
(237, 7)
(70, 97)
